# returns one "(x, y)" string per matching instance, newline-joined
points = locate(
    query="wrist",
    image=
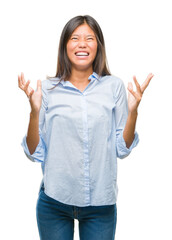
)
(133, 113)
(34, 114)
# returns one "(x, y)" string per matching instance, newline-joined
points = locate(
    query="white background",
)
(138, 41)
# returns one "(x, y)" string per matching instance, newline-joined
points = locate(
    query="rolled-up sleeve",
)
(41, 149)
(39, 154)
(121, 114)
(122, 150)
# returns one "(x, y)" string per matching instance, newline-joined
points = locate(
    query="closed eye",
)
(74, 38)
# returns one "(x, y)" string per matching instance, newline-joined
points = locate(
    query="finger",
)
(27, 89)
(39, 85)
(19, 81)
(137, 84)
(23, 79)
(26, 85)
(146, 82)
(30, 94)
(134, 94)
(130, 88)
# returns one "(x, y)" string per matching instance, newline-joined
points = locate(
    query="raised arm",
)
(134, 99)
(35, 99)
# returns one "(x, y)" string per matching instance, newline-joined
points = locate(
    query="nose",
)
(82, 44)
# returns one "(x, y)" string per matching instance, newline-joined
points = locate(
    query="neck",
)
(80, 76)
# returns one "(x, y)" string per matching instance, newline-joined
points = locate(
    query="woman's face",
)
(82, 48)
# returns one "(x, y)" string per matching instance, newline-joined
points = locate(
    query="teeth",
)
(82, 54)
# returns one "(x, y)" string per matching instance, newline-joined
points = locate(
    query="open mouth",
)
(82, 54)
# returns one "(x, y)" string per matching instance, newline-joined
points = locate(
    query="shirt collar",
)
(92, 77)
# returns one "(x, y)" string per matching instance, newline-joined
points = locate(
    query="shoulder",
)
(116, 83)
(49, 83)
(112, 79)
(117, 86)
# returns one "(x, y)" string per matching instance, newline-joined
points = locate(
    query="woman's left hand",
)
(134, 97)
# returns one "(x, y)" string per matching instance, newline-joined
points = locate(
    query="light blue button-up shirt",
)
(81, 136)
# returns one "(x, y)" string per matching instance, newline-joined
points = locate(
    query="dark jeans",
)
(56, 220)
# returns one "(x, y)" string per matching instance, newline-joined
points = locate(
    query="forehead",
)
(83, 29)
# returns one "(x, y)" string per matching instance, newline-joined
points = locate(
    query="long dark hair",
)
(100, 65)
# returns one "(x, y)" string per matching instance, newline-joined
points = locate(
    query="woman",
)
(79, 124)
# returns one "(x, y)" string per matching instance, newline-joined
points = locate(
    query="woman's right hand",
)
(35, 97)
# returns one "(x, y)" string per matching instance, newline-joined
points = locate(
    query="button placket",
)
(85, 151)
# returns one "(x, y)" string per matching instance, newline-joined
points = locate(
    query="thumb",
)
(39, 85)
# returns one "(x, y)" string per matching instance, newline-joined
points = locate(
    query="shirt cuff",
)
(122, 148)
(37, 156)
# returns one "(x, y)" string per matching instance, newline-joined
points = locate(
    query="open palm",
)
(134, 97)
(35, 97)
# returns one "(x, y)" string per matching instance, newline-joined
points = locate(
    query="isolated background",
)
(138, 41)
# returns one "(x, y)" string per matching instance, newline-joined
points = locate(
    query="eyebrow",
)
(90, 35)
